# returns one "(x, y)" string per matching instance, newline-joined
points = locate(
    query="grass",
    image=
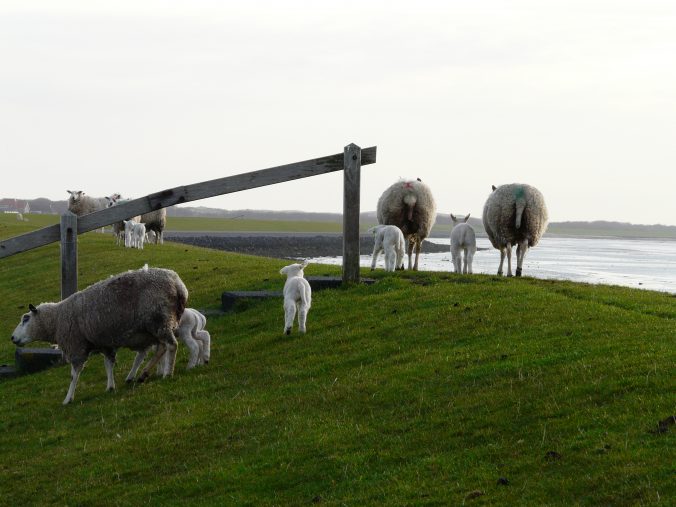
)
(422, 389)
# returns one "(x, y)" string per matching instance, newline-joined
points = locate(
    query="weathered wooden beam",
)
(351, 196)
(68, 255)
(188, 193)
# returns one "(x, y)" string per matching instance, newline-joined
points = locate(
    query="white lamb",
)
(297, 296)
(390, 240)
(191, 331)
(463, 239)
(138, 235)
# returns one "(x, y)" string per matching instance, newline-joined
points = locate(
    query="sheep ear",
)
(305, 263)
(494, 187)
(452, 217)
(70, 192)
(108, 198)
(32, 308)
(467, 217)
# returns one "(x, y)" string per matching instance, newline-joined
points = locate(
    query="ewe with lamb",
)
(409, 205)
(514, 214)
(134, 310)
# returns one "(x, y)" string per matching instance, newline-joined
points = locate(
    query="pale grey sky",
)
(577, 98)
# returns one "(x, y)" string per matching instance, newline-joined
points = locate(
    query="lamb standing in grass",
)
(138, 233)
(297, 296)
(463, 240)
(119, 230)
(409, 205)
(135, 310)
(390, 240)
(514, 214)
(191, 331)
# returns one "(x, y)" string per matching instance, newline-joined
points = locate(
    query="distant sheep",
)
(156, 221)
(514, 214)
(191, 331)
(297, 296)
(409, 205)
(119, 231)
(81, 204)
(390, 240)
(138, 234)
(463, 240)
(135, 310)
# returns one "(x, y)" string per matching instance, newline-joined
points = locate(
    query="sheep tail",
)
(181, 302)
(520, 200)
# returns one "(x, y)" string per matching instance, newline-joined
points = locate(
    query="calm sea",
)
(641, 264)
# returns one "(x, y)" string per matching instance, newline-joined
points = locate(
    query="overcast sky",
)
(577, 98)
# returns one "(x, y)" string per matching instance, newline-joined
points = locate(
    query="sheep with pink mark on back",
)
(297, 296)
(410, 205)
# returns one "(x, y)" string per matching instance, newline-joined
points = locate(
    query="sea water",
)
(638, 263)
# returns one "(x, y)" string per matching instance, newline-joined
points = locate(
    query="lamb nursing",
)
(409, 205)
(135, 310)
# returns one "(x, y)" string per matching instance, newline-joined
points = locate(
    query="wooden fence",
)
(350, 162)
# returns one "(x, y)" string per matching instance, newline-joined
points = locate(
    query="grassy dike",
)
(423, 389)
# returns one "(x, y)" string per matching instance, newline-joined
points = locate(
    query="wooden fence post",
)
(351, 180)
(68, 255)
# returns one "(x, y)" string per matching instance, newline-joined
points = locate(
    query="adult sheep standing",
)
(135, 310)
(409, 205)
(81, 204)
(155, 221)
(514, 214)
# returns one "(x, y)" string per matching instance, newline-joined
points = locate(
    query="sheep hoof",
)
(509, 275)
(518, 271)
(129, 380)
(142, 378)
(288, 331)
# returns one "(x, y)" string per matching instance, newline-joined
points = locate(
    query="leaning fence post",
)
(68, 255)
(351, 180)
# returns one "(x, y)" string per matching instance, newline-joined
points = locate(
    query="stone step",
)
(229, 299)
(31, 360)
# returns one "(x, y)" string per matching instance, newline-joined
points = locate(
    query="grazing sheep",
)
(81, 204)
(297, 296)
(409, 205)
(135, 310)
(514, 214)
(463, 239)
(156, 221)
(390, 240)
(191, 331)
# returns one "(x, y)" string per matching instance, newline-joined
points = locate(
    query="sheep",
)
(119, 231)
(463, 239)
(297, 296)
(409, 205)
(191, 331)
(156, 221)
(514, 214)
(135, 310)
(81, 204)
(390, 240)
(138, 235)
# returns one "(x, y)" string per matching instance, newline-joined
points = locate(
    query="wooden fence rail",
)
(350, 161)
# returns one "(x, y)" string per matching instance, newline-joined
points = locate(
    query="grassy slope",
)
(417, 390)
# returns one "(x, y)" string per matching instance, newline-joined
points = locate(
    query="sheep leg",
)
(417, 254)
(464, 261)
(75, 370)
(376, 251)
(194, 349)
(167, 345)
(289, 315)
(302, 317)
(410, 253)
(470, 260)
(521, 250)
(509, 259)
(502, 260)
(389, 260)
(140, 356)
(205, 345)
(109, 362)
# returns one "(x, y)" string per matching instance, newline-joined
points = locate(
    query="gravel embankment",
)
(282, 245)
